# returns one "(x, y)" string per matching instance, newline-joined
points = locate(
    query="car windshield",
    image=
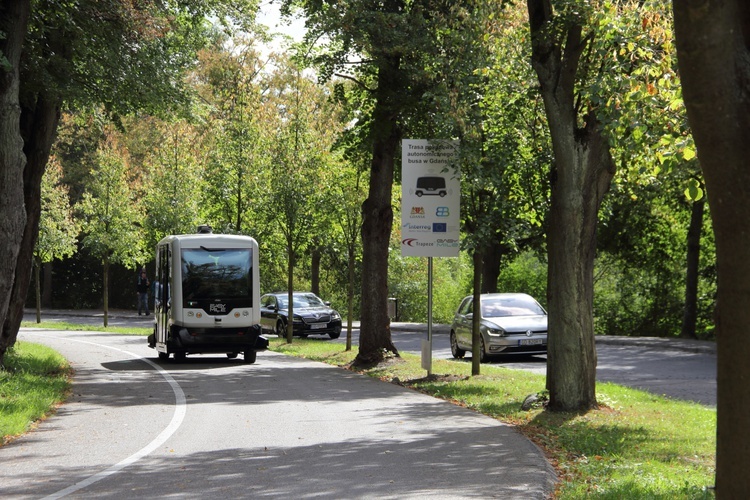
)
(498, 307)
(306, 300)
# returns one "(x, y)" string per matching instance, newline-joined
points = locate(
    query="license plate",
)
(318, 326)
(531, 342)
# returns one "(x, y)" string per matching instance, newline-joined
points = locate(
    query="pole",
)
(429, 315)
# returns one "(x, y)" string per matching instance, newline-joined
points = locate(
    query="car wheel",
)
(455, 350)
(281, 328)
(334, 335)
(250, 356)
(482, 352)
(180, 356)
(232, 355)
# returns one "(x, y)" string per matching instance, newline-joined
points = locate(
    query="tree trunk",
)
(377, 220)
(14, 15)
(38, 289)
(350, 299)
(491, 269)
(105, 268)
(690, 316)
(315, 270)
(476, 346)
(582, 174)
(47, 285)
(290, 292)
(39, 121)
(713, 50)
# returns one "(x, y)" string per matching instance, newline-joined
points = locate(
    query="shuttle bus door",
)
(163, 306)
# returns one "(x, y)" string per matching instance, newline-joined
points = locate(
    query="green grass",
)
(33, 381)
(636, 445)
(62, 325)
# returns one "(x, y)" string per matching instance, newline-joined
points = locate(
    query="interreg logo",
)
(443, 212)
(417, 228)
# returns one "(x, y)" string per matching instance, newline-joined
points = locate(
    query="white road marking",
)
(177, 418)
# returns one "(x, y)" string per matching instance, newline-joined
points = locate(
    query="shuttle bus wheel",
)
(232, 355)
(250, 357)
(163, 355)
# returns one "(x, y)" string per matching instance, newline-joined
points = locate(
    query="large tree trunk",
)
(582, 174)
(14, 15)
(713, 50)
(39, 121)
(377, 220)
(690, 316)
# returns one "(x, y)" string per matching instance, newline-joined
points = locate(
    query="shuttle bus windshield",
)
(209, 274)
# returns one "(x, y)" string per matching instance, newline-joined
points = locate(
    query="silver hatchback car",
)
(510, 323)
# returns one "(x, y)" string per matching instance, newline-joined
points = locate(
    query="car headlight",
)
(335, 315)
(495, 331)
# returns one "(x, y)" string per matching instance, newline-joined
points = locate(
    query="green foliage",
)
(173, 177)
(451, 282)
(33, 381)
(525, 274)
(109, 213)
(58, 231)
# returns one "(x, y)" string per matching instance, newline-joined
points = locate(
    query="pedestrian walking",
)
(141, 288)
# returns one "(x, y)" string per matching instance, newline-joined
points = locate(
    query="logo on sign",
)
(439, 227)
(417, 228)
(443, 212)
(414, 242)
(217, 308)
(417, 213)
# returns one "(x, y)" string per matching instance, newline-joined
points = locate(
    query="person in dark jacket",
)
(141, 288)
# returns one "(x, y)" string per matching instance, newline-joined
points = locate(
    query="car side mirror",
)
(470, 316)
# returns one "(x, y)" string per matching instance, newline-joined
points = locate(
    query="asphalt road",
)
(281, 428)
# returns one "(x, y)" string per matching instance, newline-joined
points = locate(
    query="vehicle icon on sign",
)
(431, 186)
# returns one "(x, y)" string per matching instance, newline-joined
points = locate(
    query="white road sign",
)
(430, 198)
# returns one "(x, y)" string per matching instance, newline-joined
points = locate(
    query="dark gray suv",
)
(312, 316)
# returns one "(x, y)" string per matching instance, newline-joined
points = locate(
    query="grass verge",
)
(636, 445)
(62, 325)
(33, 381)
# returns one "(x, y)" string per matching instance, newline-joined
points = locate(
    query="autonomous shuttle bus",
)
(207, 297)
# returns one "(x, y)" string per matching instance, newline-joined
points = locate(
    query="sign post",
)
(430, 210)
